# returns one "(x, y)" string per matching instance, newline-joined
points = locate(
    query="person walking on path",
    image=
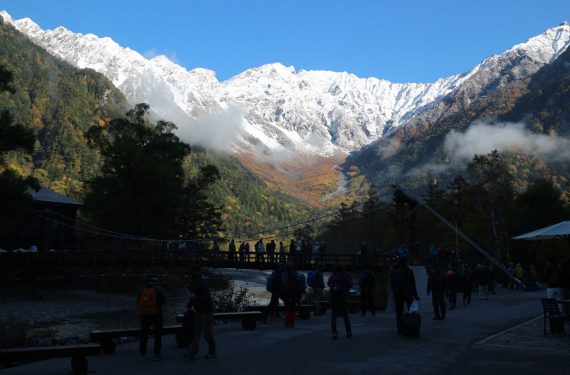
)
(519, 273)
(201, 300)
(275, 287)
(366, 282)
(339, 283)
(452, 285)
(316, 281)
(150, 301)
(467, 279)
(403, 284)
(436, 286)
(291, 291)
(482, 279)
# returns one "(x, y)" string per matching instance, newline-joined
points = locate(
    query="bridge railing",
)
(108, 262)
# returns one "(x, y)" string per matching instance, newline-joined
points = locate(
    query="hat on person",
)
(150, 279)
(403, 251)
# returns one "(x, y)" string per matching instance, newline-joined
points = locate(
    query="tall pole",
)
(411, 197)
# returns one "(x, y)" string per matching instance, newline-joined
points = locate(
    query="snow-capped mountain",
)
(273, 108)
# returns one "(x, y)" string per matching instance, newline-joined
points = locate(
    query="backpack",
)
(289, 281)
(147, 302)
(269, 283)
(312, 278)
(274, 283)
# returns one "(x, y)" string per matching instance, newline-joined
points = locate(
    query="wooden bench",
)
(304, 310)
(106, 337)
(78, 354)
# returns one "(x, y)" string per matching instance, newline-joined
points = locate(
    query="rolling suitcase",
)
(411, 323)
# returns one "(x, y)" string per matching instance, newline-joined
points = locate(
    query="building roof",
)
(50, 196)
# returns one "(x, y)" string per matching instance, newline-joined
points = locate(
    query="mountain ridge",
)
(282, 110)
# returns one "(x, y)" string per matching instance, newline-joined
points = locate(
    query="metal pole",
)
(464, 236)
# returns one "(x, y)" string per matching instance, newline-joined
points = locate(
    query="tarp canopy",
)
(560, 230)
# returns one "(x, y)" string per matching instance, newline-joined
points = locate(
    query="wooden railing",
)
(101, 263)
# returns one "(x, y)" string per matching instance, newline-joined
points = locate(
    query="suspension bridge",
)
(89, 264)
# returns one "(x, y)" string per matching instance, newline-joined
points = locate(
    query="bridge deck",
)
(128, 263)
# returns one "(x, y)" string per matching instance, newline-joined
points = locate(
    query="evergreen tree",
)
(494, 193)
(14, 198)
(142, 189)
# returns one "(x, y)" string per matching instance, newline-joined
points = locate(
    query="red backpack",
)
(147, 302)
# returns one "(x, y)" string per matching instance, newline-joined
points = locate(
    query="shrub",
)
(13, 332)
(233, 298)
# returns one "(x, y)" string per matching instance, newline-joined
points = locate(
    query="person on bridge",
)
(339, 283)
(259, 251)
(232, 250)
(247, 251)
(241, 251)
(281, 251)
(150, 300)
(271, 246)
(201, 300)
(403, 284)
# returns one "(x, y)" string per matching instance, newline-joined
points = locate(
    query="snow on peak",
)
(547, 46)
(280, 109)
(6, 17)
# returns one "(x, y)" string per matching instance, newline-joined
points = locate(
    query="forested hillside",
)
(418, 152)
(249, 204)
(61, 102)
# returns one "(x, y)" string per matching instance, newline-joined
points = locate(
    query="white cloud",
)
(482, 138)
(218, 130)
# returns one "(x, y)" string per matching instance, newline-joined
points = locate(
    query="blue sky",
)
(401, 41)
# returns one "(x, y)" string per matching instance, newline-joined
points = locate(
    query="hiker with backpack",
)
(339, 283)
(316, 281)
(274, 285)
(201, 300)
(366, 282)
(150, 300)
(403, 285)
